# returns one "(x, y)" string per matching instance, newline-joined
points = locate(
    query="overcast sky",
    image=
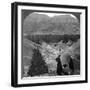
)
(55, 14)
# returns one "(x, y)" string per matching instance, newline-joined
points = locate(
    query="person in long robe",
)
(59, 66)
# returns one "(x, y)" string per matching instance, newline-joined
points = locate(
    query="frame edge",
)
(14, 43)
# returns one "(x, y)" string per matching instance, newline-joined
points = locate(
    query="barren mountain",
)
(42, 24)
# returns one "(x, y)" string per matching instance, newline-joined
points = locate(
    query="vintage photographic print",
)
(50, 44)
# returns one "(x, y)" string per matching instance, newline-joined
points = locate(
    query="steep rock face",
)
(27, 58)
(42, 24)
(38, 65)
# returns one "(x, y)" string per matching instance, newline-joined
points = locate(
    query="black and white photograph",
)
(51, 44)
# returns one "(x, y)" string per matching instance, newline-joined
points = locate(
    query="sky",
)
(55, 14)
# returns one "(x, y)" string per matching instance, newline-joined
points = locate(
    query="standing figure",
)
(59, 66)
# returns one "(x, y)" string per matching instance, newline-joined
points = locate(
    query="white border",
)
(82, 42)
